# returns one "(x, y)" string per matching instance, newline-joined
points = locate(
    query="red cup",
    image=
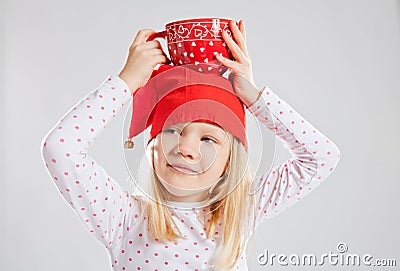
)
(196, 42)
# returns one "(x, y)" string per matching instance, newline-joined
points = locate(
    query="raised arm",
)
(97, 199)
(314, 157)
(104, 208)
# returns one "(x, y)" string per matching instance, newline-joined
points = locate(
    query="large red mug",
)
(196, 42)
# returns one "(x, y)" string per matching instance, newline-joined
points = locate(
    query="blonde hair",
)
(231, 199)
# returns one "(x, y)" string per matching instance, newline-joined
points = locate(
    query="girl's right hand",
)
(142, 58)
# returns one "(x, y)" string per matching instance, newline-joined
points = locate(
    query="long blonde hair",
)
(231, 199)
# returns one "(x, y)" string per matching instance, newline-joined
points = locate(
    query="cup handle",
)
(161, 34)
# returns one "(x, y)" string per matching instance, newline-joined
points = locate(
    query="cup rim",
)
(198, 19)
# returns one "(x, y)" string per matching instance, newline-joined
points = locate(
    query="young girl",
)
(204, 206)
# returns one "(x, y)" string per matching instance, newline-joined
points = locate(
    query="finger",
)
(227, 62)
(161, 59)
(156, 51)
(237, 53)
(237, 35)
(142, 35)
(152, 44)
(242, 29)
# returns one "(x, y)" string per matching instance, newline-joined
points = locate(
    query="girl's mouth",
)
(182, 169)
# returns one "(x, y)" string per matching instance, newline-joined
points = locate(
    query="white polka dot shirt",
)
(115, 217)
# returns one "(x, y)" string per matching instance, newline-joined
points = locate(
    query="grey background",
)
(336, 62)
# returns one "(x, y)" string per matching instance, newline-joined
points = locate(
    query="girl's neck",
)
(199, 197)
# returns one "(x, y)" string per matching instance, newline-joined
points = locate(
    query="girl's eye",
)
(171, 131)
(209, 139)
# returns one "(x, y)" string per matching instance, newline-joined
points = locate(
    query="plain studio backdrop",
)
(336, 62)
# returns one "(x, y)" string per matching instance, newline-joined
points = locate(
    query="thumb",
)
(142, 35)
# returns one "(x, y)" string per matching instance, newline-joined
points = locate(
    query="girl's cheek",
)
(168, 143)
(209, 155)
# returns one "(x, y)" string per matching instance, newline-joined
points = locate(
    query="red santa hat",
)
(176, 94)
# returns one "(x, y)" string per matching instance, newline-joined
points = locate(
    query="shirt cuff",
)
(118, 82)
(259, 102)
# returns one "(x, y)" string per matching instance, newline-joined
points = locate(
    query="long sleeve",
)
(97, 199)
(313, 157)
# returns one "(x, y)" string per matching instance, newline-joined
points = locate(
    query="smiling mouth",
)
(182, 170)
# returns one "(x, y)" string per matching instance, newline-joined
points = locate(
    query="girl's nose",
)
(188, 148)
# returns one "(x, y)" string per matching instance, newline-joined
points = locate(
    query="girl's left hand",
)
(241, 74)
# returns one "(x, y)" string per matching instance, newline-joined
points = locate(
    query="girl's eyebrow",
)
(203, 129)
(209, 130)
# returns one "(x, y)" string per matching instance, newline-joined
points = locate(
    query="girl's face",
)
(190, 157)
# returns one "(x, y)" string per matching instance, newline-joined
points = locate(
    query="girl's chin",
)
(180, 190)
